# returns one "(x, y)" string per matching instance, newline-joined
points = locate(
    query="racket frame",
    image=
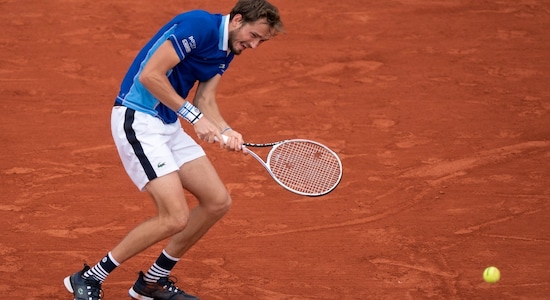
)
(274, 146)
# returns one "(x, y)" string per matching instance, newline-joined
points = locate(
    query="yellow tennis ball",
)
(491, 275)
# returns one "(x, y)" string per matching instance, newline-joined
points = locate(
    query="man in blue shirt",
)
(159, 156)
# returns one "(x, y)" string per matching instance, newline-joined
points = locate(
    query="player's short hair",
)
(254, 10)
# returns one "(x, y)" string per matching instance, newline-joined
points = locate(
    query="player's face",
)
(248, 35)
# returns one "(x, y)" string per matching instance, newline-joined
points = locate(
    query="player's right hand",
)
(206, 131)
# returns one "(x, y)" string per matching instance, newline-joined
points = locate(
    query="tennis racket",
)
(301, 166)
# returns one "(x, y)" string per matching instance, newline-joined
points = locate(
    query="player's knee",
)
(220, 205)
(174, 224)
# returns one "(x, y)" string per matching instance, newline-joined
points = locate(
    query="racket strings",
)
(305, 167)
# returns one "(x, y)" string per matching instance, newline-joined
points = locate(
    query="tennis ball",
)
(491, 275)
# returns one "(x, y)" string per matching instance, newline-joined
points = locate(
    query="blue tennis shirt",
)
(200, 39)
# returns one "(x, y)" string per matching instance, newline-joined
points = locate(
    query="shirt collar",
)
(224, 33)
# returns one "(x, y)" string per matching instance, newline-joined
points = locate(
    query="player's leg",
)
(201, 179)
(172, 216)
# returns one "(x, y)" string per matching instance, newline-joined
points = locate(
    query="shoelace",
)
(170, 285)
(94, 288)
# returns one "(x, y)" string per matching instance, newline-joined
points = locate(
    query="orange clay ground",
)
(440, 111)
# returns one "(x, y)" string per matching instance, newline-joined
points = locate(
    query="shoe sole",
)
(137, 296)
(68, 285)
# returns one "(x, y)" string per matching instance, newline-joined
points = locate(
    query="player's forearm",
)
(159, 86)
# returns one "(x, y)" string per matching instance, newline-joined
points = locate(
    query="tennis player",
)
(159, 156)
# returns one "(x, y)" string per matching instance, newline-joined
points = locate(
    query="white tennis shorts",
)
(148, 147)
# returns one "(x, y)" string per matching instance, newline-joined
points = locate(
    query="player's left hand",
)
(234, 141)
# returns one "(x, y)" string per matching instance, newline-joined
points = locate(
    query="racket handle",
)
(225, 138)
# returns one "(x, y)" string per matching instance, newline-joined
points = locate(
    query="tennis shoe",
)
(83, 288)
(163, 289)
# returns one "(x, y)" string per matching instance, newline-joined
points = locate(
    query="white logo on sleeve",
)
(189, 44)
(186, 46)
(192, 42)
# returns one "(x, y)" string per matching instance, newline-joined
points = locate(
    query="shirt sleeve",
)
(191, 36)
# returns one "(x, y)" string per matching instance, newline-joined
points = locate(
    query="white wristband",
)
(190, 113)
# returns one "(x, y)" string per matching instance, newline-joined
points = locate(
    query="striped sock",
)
(161, 268)
(100, 271)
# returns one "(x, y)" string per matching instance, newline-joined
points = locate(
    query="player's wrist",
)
(190, 113)
(226, 129)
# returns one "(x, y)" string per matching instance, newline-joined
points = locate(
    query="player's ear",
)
(237, 21)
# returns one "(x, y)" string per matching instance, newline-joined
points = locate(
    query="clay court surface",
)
(440, 111)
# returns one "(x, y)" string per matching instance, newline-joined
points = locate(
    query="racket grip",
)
(224, 137)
